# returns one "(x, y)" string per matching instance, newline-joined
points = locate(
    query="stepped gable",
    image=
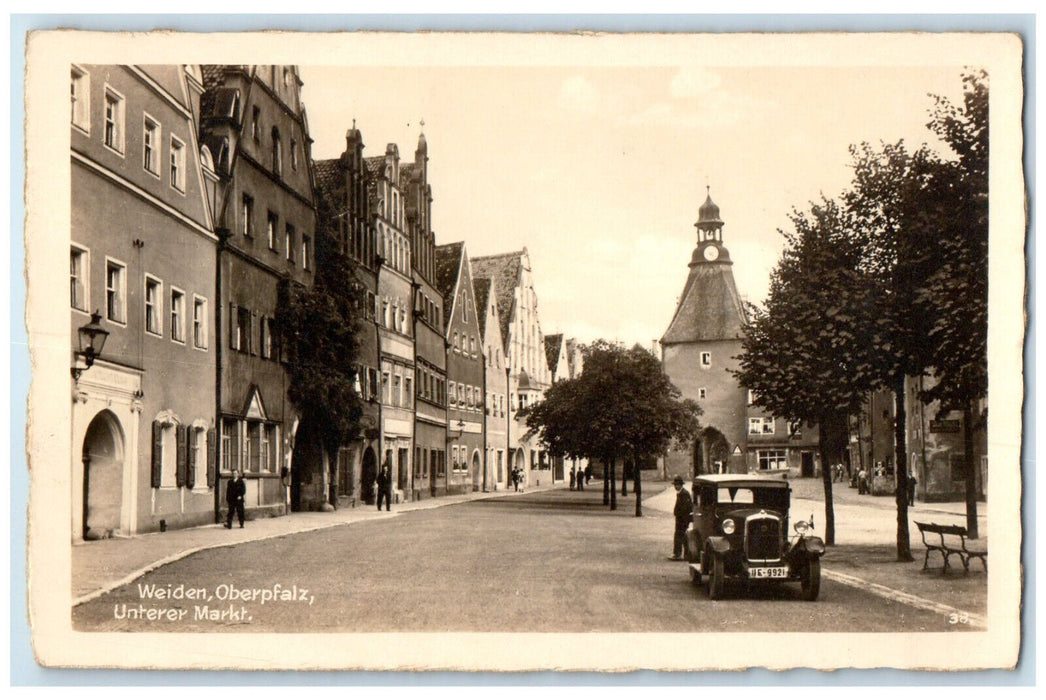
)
(505, 270)
(553, 344)
(481, 288)
(448, 268)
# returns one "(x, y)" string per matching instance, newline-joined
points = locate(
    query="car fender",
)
(719, 545)
(812, 546)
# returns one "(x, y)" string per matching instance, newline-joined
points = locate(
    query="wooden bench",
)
(951, 539)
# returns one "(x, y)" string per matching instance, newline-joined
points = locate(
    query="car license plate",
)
(768, 572)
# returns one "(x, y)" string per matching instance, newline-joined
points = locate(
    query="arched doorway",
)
(103, 454)
(477, 471)
(368, 475)
(711, 452)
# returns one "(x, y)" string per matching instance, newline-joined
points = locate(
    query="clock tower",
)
(709, 234)
(700, 349)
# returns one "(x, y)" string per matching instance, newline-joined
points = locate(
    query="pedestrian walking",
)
(588, 474)
(684, 514)
(862, 482)
(515, 478)
(912, 481)
(235, 492)
(572, 478)
(580, 479)
(385, 487)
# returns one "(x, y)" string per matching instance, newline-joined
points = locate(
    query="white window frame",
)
(272, 222)
(176, 164)
(200, 322)
(706, 358)
(152, 138)
(247, 215)
(757, 425)
(776, 456)
(119, 121)
(168, 456)
(305, 241)
(121, 293)
(180, 325)
(159, 303)
(702, 393)
(80, 98)
(751, 397)
(84, 255)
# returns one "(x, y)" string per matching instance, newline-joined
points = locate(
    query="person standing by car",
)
(235, 492)
(384, 487)
(684, 513)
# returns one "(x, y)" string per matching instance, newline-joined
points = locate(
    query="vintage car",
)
(740, 532)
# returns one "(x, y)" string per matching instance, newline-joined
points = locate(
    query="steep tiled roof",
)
(504, 269)
(374, 165)
(448, 267)
(481, 288)
(553, 344)
(709, 309)
(329, 175)
(213, 76)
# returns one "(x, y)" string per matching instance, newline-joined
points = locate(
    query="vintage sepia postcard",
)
(512, 352)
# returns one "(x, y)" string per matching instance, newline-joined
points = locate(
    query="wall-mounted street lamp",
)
(92, 340)
(460, 425)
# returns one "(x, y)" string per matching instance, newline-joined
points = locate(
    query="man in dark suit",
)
(684, 513)
(235, 492)
(384, 486)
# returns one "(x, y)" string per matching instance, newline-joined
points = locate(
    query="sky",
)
(599, 171)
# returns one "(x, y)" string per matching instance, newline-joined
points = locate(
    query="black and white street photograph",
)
(490, 351)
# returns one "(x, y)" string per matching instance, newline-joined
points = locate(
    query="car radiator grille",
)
(762, 535)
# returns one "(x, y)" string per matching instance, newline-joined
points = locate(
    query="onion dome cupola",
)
(710, 248)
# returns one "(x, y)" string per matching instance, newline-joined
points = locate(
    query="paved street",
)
(537, 562)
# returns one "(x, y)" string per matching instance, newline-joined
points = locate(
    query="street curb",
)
(907, 598)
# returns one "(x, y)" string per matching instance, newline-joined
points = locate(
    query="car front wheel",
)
(811, 579)
(715, 578)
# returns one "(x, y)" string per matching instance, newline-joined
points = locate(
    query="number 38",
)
(959, 618)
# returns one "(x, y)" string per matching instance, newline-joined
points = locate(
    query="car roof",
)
(748, 480)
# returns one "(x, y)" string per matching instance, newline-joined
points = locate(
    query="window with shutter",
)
(211, 456)
(182, 443)
(157, 465)
(192, 446)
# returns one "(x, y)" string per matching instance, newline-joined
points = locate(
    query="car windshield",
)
(763, 498)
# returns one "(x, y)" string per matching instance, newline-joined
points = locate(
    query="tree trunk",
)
(971, 474)
(637, 488)
(606, 482)
(904, 548)
(624, 479)
(832, 439)
(613, 490)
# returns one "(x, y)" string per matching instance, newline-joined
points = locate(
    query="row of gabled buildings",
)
(452, 346)
(194, 197)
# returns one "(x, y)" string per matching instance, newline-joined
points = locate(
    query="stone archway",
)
(103, 460)
(711, 452)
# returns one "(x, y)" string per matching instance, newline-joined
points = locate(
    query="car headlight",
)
(728, 526)
(801, 526)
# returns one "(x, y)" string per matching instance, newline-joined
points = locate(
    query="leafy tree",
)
(956, 293)
(807, 355)
(318, 328)
(622, 405)
(887, 200)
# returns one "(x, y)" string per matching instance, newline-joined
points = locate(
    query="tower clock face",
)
(711, 253)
